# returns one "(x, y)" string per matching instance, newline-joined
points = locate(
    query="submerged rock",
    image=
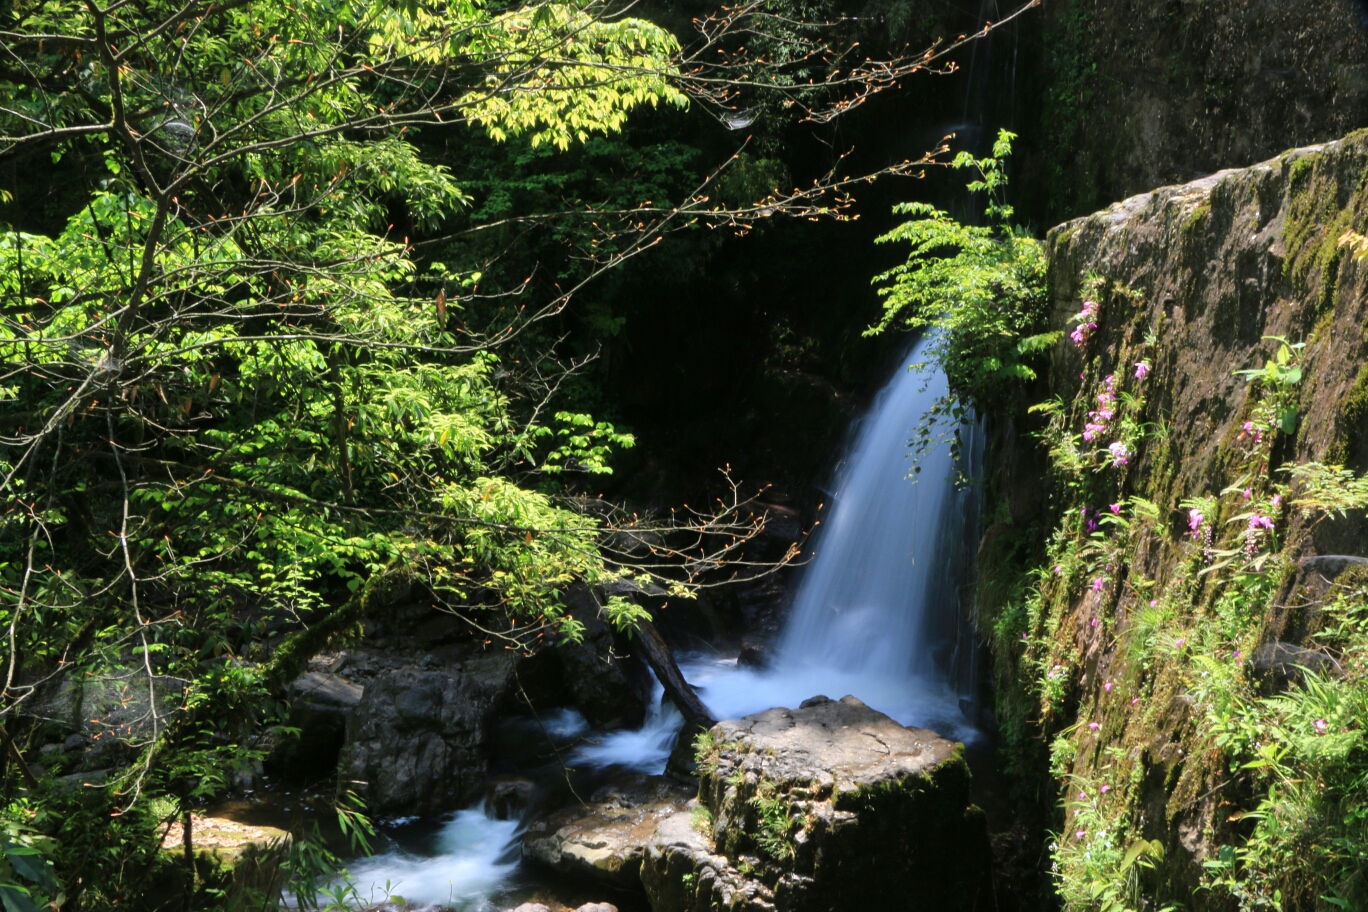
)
(829, 806)
(606, 839)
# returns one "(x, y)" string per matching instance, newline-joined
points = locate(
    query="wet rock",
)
(829, 806)
(509, 797)
(1276, 665)
(606, 840)
(532, 907)
(597, 907)
(320, 702)
(754, 654)
(682, 763)
(418, 737)
(608, 685)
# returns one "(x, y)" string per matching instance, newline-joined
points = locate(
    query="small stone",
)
(532, 907)
(754, 654)
(597, 907)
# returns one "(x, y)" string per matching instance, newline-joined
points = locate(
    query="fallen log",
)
(662, 662)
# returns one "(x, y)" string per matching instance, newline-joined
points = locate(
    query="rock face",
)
(1279, 664)
(607, 839)
(418, 737)
(1189, 88)
(831, 806)
(1197, 278)
(609, 685)
(320, 704)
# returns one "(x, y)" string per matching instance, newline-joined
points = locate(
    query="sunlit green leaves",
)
(980, 288)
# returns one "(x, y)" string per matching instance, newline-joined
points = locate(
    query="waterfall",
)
(881, 573)
(881, 611)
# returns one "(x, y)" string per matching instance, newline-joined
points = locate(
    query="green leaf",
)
(29, 863)
(17, 899)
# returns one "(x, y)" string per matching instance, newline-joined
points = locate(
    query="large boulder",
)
(829, 806)
(601, 673)
(418, 738)
(320, 703)
(682, 872)
(605, 839)
(243, 864)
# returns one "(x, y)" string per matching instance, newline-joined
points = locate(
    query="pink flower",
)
(1320, 726)
(1141, 370)
(1135, 702)
(1277, 501)
(1023, 637)
(1094, 622)
(1235, 655)
(1082, 796)
(1093, 726)
(1120, 456)
(1080, 834)
(1097, 585)
(1247, 493)
(1195, 520)
(1115, 508)
(1059, 569)
(1179, 644)
(1153, 602)
(1108, 686)
(1105, 789)
(1256, 521)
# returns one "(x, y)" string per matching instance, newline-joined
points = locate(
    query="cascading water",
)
(878, 613)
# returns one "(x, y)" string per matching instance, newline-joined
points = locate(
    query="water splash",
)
(645, 749)
(470, 858)
(881, 611)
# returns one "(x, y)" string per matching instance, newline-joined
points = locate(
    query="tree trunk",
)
(667, 672)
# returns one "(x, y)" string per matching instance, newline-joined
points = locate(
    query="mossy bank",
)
(1171, 647)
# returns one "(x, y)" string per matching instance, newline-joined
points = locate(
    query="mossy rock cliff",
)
(1132, 609)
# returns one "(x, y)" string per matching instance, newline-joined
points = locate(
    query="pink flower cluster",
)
(1105, 411)
(1251, 432)
(1142, 370)
(1120, 455)
(1260, 522)
(1087, 322)
(1195, 521)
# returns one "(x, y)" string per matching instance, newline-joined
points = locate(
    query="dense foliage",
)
(979, 289)
(269, 362)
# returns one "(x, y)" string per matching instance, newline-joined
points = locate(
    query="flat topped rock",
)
(605, 839)
(830, 806)
(842, 743)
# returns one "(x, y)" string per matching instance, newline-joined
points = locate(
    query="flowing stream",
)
(877, 613)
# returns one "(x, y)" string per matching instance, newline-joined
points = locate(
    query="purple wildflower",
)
(1141, 370)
